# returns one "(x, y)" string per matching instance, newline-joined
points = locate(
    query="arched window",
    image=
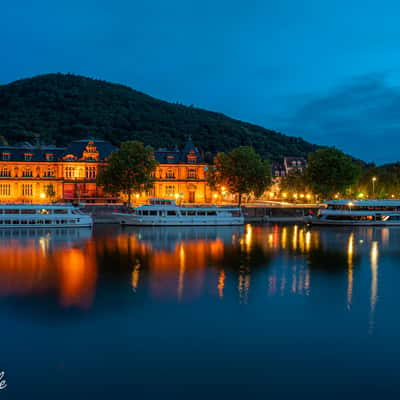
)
(27, 173)
(4, 172)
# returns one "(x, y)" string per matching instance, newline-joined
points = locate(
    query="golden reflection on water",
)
(374, 255)
(350, 255)
(183, 265)
(32, 266)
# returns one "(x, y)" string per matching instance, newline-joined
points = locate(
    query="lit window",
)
(27, 173)
(6, 156)
(28, 156)
(49, 157)
(170, 174)
(169, 190)
(5, 172)
(191, 173)
(27, 189)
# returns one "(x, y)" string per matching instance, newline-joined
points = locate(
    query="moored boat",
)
(358, 213)
(166, 212)
(42, 216)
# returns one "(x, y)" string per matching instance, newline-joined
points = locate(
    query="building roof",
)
(77, 147)
(17, 152)
(176, 156)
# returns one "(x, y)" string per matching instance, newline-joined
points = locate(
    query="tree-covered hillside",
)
(59, 108)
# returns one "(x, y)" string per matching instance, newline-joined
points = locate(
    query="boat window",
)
(47, 221)
(153, 212)
(24, 221)
(171, 212)
(201, 213)
(213, 213)
(44, 211)
(183, 213)
(191, 212)
(39, 222)
(32, 222)
(145, 212)
(63, 221)
(60, 211)
(28, 211)
(11, 211)
(15, 222)
(235, 213)
(1, 222)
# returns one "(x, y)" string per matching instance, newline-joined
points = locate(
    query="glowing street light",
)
(373, 185)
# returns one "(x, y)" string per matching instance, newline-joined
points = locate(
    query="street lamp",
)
(373, 186)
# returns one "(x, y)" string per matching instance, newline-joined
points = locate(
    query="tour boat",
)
(42, 216)
(167, 212)
(358, 212)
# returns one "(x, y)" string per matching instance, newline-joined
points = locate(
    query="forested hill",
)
(59, 108)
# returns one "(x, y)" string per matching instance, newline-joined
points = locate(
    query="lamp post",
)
(373, 186)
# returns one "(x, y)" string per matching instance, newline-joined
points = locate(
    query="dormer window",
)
(170, 159)
(191, 159)
(69, 158)
(6, 156)
(91, 153)
(49, 157)
(28, 156)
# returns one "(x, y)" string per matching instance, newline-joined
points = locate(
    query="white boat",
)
(166, 212)
(42, 216)
(358, 213)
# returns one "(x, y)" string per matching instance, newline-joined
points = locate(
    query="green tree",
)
(242, 171)
(128, 170)
(330, 171)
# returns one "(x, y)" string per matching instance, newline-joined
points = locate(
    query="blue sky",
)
(326, 71)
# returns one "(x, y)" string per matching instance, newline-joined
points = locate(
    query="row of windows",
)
(191, 174)
(42, 211)
(26, 190)
(39, 221)
(90, 172)
(26, 173)
(188, 213)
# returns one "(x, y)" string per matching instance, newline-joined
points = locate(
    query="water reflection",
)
(245, 265)
(35, 261)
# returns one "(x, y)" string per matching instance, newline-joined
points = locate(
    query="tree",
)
(49, 191)
(242, 171)
(330, 171)
(294, 182)
(128, 170)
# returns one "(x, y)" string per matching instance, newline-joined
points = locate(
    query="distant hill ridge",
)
(59, 108)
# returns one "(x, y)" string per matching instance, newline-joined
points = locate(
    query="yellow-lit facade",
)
(31, 174)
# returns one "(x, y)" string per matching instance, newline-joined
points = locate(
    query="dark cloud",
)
(362, 118)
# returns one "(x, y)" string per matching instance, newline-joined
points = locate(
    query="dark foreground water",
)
(267, 312)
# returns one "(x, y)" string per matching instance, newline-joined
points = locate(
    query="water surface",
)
(200, 312)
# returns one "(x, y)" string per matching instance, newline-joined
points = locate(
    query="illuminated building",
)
(39, 174)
